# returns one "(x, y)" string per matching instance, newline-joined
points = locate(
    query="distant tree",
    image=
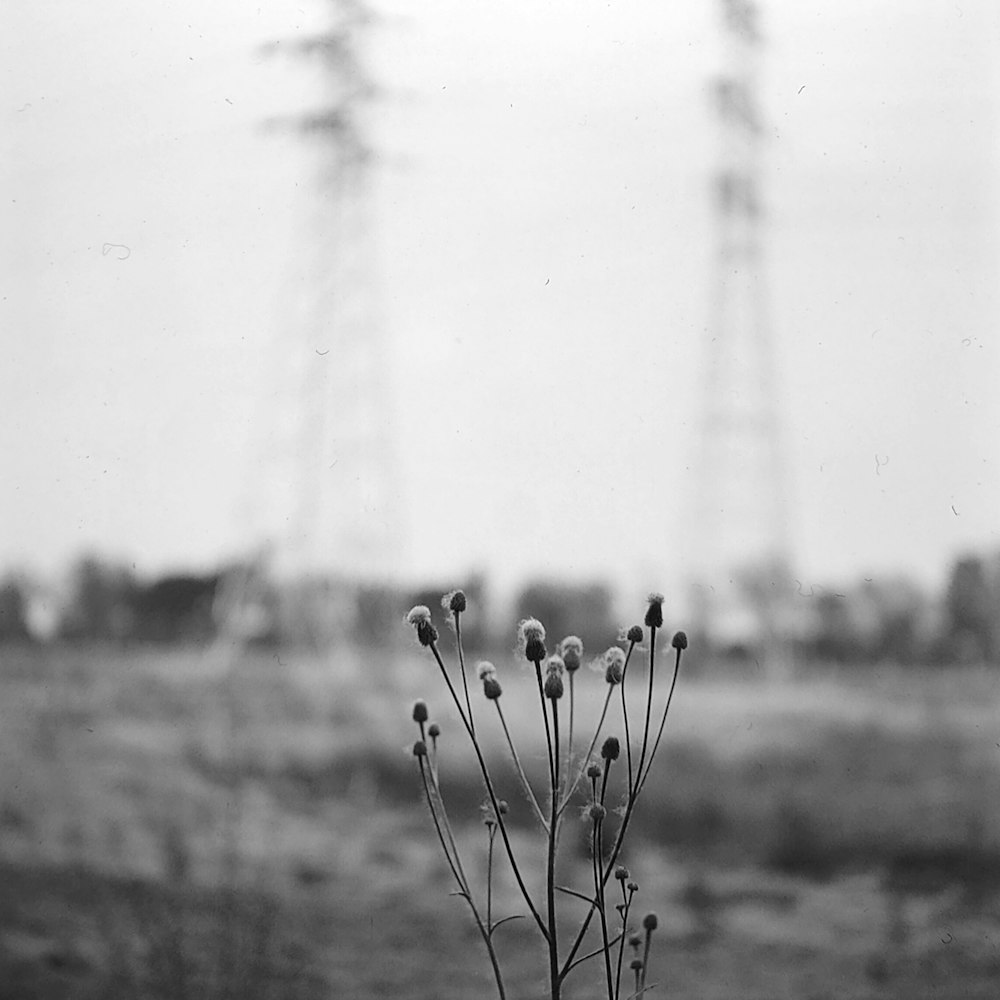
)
(971, 612)
(101, 599)
(13, 611)
(176, 608)
(570, 609)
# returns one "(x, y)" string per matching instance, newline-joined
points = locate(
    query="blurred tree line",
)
(872, 621)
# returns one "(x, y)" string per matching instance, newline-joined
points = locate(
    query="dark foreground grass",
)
(180, 825)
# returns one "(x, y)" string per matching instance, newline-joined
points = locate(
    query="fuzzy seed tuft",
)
(654, 613)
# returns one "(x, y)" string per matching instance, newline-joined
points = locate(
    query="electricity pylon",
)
(342, 495)
(743, 549)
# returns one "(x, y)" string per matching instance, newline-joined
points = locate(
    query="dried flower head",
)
(454, 601)
(634, 634)
(485, 669)
(531, 637)
(654, 613)
(649, 922)
(635, 965)
(632, 886)
(420, 618)
(635, 940)
(596, 811)
(621, 873)
(571, 650)
(614, 665)
(555, 664)
(491, 687)
(433, 730)
(553, 688)
(611, 748)
(420, 711)
(594, 771)
(680, 640)
(420, 749)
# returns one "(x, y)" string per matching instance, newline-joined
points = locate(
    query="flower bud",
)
(654, 613)
(502, 807)
(531, 634)
(571, 650)
(680, 640)
(594, 771)
(420, 618)
(614, 662)
(553, 687)
(420, 711)
(433, 730)
(634, 634)
(635, 940)
(649, 922)
(419, 749)
(611, 748)
(632, 886)
(454, 601)
(621, 873)
(635, 965)
(491, 687)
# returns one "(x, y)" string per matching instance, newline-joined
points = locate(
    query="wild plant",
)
(578, 773)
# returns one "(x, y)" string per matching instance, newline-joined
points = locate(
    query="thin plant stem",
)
(649, 698)
(591, 954)
(626, 904)
(437, 827)
(599, 892)
(645, 956)
(583, 764)
(663, 721)
(461, 664)
(550, 865)
(569, 737)
(545, 719)
(525, 784)
(628, 739)
(488, 782)
(489, 881)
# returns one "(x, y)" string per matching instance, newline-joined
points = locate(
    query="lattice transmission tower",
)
(743, 541)
(334, 440)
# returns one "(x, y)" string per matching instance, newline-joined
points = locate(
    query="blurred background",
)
(317, 310)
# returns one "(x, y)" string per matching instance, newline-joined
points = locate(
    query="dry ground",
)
(197, 824)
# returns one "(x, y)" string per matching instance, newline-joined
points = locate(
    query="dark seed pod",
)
(611, 748)
(654, 613)
(680, 640)
(420, 711)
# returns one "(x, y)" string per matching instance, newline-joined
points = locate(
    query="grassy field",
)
(203, 824)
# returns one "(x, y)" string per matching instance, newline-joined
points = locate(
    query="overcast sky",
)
(544, 243)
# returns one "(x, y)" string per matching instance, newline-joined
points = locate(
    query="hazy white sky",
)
(544, 248)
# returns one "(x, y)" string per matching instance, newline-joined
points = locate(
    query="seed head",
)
(635, 965)
(491, 687)
(531, 635)
(571, 650)
(454, 601)
(634, 634)
(597, 812)
(632, 886)
(485, 669)
(420, 749)
(420, 711)
(680, 640)
(614, 663)
(553, 688)
(502, 807)
(594, 771)
(433, 730)
(611, 748)
(621, 873)
(420, 618)
(635, 940)
(555, 664)
(649, 922)
(654, 613)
